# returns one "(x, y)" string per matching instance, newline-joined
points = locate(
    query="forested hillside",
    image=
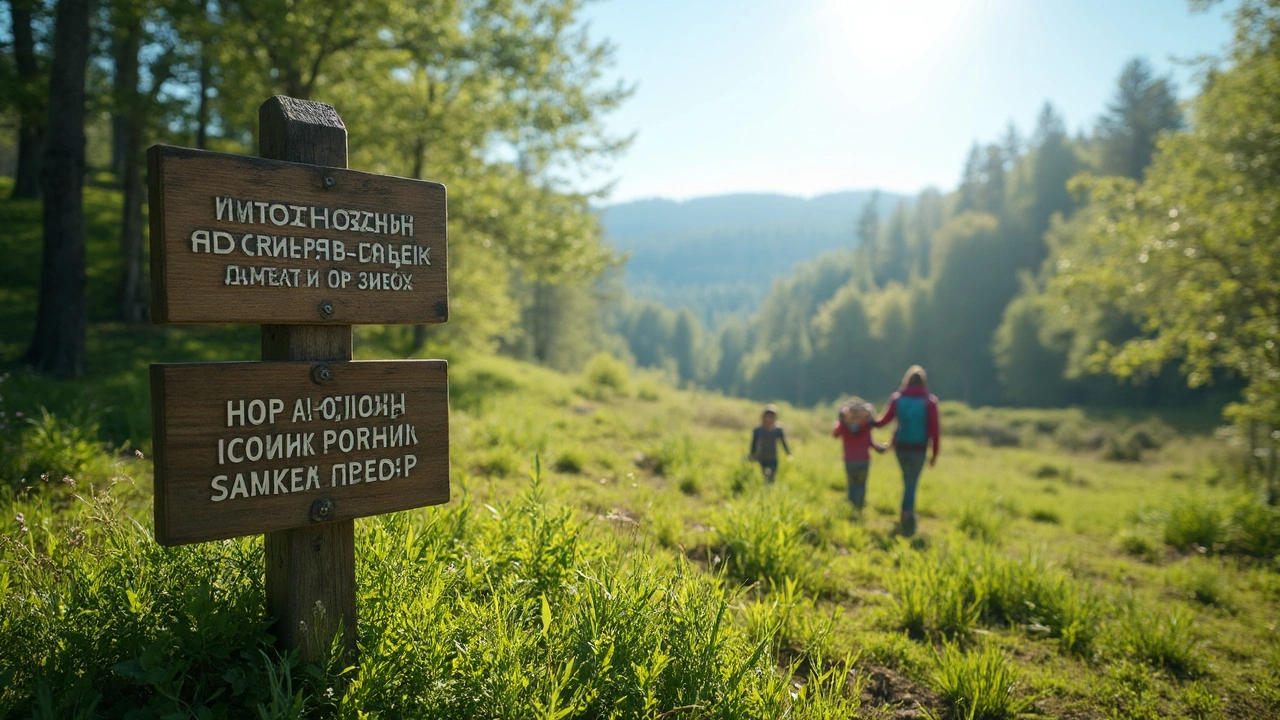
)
(718, 255)
(958, 283)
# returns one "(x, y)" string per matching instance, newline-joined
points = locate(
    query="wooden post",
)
(311, 571)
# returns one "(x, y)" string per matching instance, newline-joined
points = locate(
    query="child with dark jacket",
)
(764, 442)
(853, 427)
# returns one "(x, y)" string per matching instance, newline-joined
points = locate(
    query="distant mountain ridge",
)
(719, 254)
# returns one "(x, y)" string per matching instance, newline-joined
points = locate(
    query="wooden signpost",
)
(298, 446)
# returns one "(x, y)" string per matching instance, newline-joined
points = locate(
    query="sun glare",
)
(890, 35)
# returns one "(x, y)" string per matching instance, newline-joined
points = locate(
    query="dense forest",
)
(502, 101)
(958, 282)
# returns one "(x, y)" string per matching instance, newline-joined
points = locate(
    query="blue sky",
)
(811, 96)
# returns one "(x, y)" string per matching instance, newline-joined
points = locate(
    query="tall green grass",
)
(978, 685)
(505, 611)
(1237, 524)
(763, 540)
(1162, 638)
(949, 591)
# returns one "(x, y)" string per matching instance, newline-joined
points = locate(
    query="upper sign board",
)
(246, 240)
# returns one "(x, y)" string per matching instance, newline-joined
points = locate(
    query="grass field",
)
(609, 553)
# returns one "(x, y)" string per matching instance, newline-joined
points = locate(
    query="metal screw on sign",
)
(326, 308)
(321, 374)
(322, 510)
(329, 182)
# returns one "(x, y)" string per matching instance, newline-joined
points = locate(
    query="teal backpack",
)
(913, 428)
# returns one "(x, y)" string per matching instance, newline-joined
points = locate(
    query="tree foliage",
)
(501, 100)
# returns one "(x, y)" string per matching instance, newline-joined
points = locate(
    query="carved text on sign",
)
(247, 447)
(241, 239)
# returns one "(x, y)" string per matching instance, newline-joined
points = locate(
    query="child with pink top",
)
(853, 427)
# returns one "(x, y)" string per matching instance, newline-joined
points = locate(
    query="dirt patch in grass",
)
(895, 695)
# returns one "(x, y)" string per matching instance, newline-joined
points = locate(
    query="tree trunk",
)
(419, 161)
(129, 123)
(58, 346)
(202, 108)
(133, 285)
(31, 112)
(26, 180)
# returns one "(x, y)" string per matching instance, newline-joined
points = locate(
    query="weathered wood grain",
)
(194, 444)
(310, 571)
(192, 287)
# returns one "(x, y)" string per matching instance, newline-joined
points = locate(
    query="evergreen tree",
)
(1144, 106)
(1053, 163)
(973, 281)
(969, 197)
(867, 233)
(843, 352)
(686, 346)
(1031, 372)
(734, 342)
(895, 263)
(929, 215)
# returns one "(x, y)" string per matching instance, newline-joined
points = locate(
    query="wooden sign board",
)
(249, 448)
(248, 240)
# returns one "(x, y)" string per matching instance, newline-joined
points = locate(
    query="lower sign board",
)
(250, 448)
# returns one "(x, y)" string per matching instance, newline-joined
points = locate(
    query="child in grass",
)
(764, 442)
(853, 427)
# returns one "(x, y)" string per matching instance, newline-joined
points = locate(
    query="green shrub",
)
(1162, 639)
(979, 522)
(741, 476)
(689, 484)
(792, 620)
(1045, 515)
(949, 591)
(605, 371)
(500, 462)
(1137, 541)
(995, 434)
(1202, 581)
(666, 528)
(470, 389)
(1254, 529)
(1150, 435)
(978, 685)
(1193, 522)
(1047, 471)
(762, 538)
(570, 460)
(1200, 701)
(54, 447)
(1077, 436)
(674, 453)
(1121, 448)
(930, 598)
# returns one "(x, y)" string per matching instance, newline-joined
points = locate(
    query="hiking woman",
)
(917, 414)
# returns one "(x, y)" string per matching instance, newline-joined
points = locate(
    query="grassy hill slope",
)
(608, 552)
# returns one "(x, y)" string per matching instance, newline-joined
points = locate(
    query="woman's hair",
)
(915, 376)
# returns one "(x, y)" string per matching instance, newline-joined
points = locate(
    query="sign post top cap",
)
(294, 111)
